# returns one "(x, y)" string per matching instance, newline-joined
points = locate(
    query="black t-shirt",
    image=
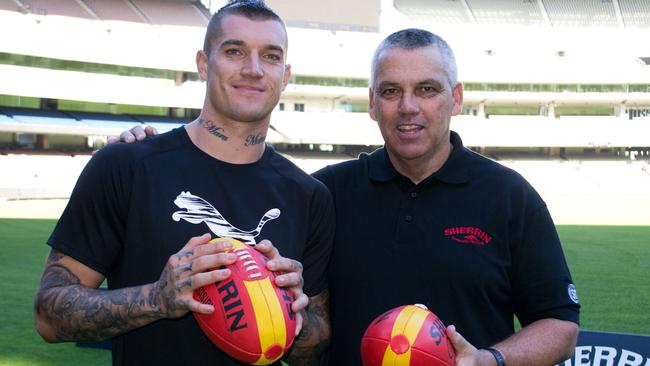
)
(474, 242)
(135, 205)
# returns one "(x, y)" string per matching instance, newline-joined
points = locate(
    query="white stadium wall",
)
(328, 43)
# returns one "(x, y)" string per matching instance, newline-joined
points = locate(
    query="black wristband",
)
(501, 361)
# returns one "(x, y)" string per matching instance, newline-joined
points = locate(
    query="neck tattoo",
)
(213, 129)
(254, 139)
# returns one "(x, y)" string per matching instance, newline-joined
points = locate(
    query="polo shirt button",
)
(414, 194)
(408, 218)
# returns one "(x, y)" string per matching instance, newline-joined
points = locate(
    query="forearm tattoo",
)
(213, 129)
(315, 334)
(82, 313)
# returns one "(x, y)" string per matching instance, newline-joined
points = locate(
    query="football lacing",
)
(249, 263)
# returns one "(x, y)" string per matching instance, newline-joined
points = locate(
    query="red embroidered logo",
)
(468, 235)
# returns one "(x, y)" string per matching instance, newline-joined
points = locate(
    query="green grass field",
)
(609, 266)
(23, 254)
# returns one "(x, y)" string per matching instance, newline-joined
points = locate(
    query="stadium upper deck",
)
(532, 57)
(154, 12)
(555, 13)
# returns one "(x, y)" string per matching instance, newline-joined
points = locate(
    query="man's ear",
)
(371, 104)
(287, 76)
(202, 64)
(457, 94)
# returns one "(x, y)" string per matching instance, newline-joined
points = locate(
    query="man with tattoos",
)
(134, 206)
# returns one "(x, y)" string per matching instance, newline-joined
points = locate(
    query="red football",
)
(408, 335)
(252, 319)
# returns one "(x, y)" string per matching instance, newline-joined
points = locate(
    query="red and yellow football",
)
(408, 335)
(252, 321)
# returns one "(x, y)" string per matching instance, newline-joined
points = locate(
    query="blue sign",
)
(610, 349)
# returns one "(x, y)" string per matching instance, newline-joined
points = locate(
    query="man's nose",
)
(408, 104)
(253, 66)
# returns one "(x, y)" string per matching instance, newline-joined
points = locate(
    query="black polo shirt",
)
(473, 242)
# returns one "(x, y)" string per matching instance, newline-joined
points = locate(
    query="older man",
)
(425, 220)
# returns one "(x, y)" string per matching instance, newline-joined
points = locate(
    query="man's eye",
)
(428, 90)
(389, 92)
(233, 52)
(274, 57)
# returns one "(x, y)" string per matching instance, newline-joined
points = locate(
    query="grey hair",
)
(413, 38)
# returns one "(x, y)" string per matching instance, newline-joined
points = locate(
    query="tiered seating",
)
(506, 12)
(171, 12)
(617, 177)
(332, 15)
(114, 10)
(437, 11)
(553, 177)
(76, 123)
(10, 5)
(585, 13)
(529, 131)
(72, 85)
(345, 128)
(591, 13)
(635, 13)
(158, 12)
(39, 176)
(327, 128)
(577, 192)
(344, 54)
(56, 7)
(591, 192)
(311, 164)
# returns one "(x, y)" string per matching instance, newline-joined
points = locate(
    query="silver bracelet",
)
(501, 361)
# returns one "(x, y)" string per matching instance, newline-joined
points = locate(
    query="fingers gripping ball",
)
(252, 321)
(408, 335)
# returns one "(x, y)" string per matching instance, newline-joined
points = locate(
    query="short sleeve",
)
(319, 245)
(92, 226)
(542, 284)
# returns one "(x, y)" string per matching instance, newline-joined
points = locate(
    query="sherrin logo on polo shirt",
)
(468, 235)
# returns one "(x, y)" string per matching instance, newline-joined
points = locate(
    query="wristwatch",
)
(501, 361)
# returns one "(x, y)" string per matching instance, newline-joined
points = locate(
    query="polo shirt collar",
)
(453, 171)
(380, 167)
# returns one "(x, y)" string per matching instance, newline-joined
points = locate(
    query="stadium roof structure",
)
(554, 13)
(496, 41)
(155, 12)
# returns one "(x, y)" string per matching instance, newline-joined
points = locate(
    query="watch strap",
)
(501, 361)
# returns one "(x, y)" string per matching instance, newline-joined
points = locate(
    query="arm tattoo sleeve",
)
(315, 334)
(78, 312)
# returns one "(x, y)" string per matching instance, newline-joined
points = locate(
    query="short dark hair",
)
(412, 38)
(255, 10)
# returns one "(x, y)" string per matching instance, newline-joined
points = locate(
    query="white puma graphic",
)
(197, 210)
